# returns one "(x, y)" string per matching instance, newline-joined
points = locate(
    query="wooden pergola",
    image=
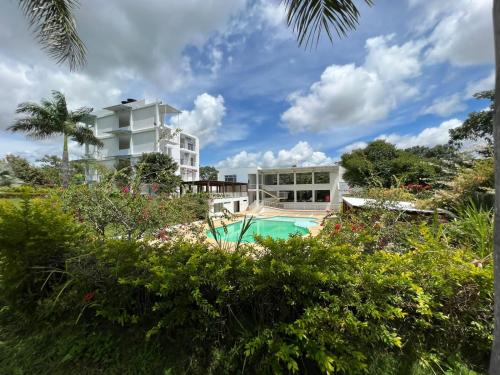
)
(219, 187)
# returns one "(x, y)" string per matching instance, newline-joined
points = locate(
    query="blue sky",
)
(252, 95)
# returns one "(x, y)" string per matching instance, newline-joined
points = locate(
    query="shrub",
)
(36, 237)
(304, 305)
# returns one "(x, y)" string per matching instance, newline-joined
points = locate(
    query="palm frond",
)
(309, 18)
(53, 24)
(36, 128)
(82, 114)
(83, 136)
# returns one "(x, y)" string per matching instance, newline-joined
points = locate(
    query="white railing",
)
(235, 194)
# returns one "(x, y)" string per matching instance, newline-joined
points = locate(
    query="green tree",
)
(52, 117)
(478, 126)
(208, 173)
(23, 170)
(158, 168)
(380, 162)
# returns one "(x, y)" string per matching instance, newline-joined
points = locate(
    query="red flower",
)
(125, 190)
(89, 296)
(162, 235)
(338, 227)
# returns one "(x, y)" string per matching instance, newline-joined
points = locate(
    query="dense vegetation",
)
(374, 292)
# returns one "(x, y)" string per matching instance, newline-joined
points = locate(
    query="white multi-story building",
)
(294, 188)
(134, 127)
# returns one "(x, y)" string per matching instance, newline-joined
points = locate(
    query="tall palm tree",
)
(54, 26)
(51, 117)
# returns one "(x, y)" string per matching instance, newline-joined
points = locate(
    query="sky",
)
(247, 90)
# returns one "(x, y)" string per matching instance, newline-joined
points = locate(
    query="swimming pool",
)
(278, 227)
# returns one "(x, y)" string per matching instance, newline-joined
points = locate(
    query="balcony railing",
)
(187, 146)
(236, 194)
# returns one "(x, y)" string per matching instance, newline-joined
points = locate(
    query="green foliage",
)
(478, 126)
(158, 168)
(24, 171)
(127, 213)
(381, 164)
(304, 305)
(208, 173)
(476, 182)
(36, 237)
(475, 226)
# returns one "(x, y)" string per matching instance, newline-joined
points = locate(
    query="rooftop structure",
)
(134, 127)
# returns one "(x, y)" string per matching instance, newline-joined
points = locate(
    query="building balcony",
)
(188, 163)
(187, 147)
(123, 152)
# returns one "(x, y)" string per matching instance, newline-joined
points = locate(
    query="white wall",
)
(105, 124)
(110, 147)
(241, 173)
(229, 204)
(144, 142)
(143, 118)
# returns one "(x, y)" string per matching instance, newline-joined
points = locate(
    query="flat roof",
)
(319, 168)
(138, 104)
(395, 205)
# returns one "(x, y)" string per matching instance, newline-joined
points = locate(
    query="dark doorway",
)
(237, 206)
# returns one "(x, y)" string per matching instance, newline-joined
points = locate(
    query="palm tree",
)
(54, 26)
(51, 117)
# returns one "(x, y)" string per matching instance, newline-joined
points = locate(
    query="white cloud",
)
(461, 31)
(205, 121)
(487, 83)
(131, 46)
(445, 106)
(302, 154)
(353, 146)
(349, 95)
(428, 137)
(21, 83)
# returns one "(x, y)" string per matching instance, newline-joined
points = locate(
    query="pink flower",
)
(125, 190)
(89, 296)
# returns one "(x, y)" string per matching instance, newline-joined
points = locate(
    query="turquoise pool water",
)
(278, 227)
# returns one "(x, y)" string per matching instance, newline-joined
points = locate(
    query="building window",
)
(321, 177)
(286, 196)
(304, 178)
(270, 179)
(322, 195)
(230, 178)
(304, 195)
(218, 207)
(286, 178)
(123, 143)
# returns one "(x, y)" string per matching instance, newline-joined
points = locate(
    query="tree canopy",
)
(478, 126)
(381, 163)
(208, 173)
(159, 168)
